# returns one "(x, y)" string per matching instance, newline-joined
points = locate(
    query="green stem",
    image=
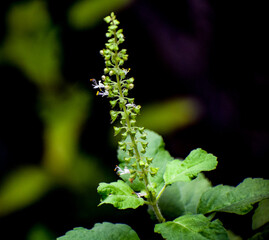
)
(152, 201)
(158, 213)
(161, 192)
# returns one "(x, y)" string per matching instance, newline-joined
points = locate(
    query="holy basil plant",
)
(181, 201)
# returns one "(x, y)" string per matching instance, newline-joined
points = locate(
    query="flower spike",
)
(115, 85)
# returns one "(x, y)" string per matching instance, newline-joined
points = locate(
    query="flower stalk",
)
(115, 85)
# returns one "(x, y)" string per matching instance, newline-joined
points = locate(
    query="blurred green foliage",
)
(23, 187)
(33, 46)
(63, 117)
(261, 215)
(40, 232)
(87, 13)
(170, 115)
(32, 43)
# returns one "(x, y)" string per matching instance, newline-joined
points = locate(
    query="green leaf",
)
(182, 198)
(197, 161)
(196, 227)
(261, 215)
(237, 200)
(102, 231)
(160, 160)
(119, 194)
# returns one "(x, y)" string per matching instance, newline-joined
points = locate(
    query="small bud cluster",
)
(116, 85)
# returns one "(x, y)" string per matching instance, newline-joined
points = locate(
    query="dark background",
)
(215, 53)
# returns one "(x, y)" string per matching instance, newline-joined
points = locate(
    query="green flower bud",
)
(132, 122)
(137, 109)
(133, 176)
(117, 130)
(108, 19)
(121, 104)
(131, 100)
(144, 136)
(141, 164)
(121, 62)
(131, 152)
(112, 27)
(113, 103)
(141, 130)
(133, 132)
(144, 144)
(114, 115)
(153, 171)
(127, 159)
(115, 21)
(130, 86)
(125, 92)
(108, 62)
(122, 122)
(133, 115)
(122, 146)
(124, 135)
(140, 178)
(130, 80)
(134, 165)
(121, 40)
(119, 32)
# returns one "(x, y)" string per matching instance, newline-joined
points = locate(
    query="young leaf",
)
(102, 231)
(182, 198)
(261, 215)
(197, 161)
(196, 227)
(119, 194)
(237, 200)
